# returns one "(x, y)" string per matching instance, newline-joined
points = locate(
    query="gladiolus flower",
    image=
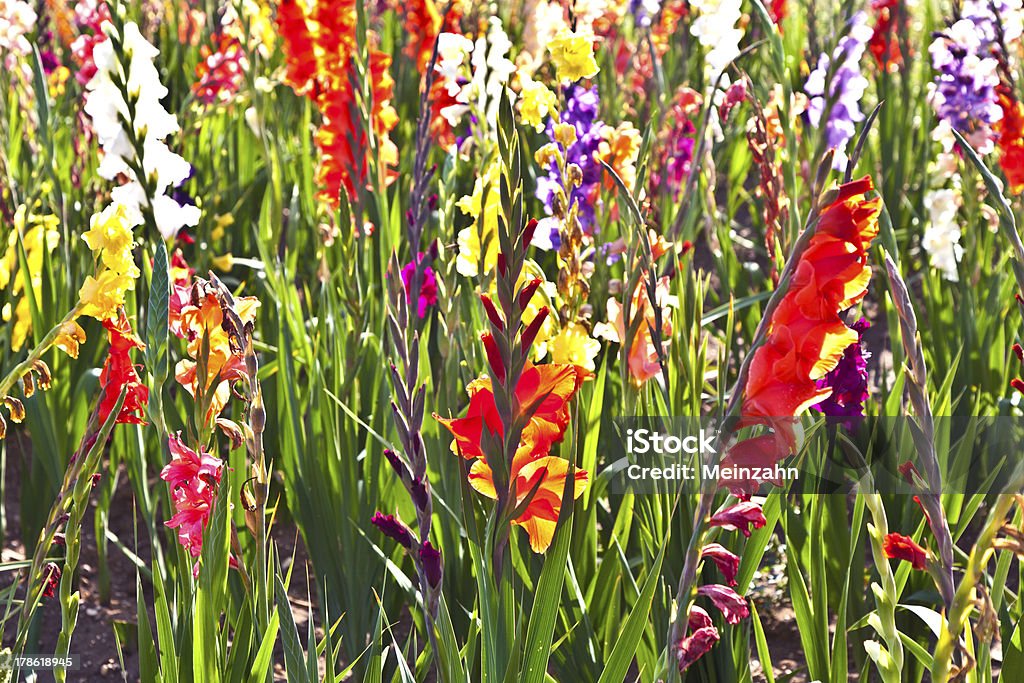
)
(727, 562)
(644, 358)
(1011, 138)
(427, 294)
(541, 513)
(543, 394)
(536, 102)
(205, 317)
(70, 338)
(193, 479)
(319, 47)
(732, 604)
(573, 55)
(900, 547)
(739, 517)
(806, 337)
(549, 387)
(51, 579)
(119, 372)
(695, 646)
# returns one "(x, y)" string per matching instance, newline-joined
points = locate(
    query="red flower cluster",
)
(319, 47)
(884, 43)
(806, 336)
(193, 479)
(119, 371)
(1010, 129)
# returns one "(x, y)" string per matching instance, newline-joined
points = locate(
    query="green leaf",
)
(617, 665)
(157, 312)
(295, 667)
(549, 591)
(264, 656)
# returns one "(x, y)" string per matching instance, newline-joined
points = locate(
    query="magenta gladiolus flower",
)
(732, 604)
(727, 562)
(739, 517)
(427, 295)
(703, 636)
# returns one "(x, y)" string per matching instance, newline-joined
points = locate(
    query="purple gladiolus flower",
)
(845, 90)
(967, 73)
(581, 112)
(849, 383)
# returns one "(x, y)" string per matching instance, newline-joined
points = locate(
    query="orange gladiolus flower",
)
(544, 392)
(541, 514)
(319, 46)
(224, 364)
(553, 385)
(806, 336)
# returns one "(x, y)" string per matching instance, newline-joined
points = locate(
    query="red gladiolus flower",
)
(727, 562)
(119, 371)
(883, 43)
(900, 547)
(732, 604)
(806, 336)
(51, 579)
(739, 517)
(193, 479)
(1010, 129)
(319, 47)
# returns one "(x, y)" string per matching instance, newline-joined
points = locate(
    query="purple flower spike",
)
(846, 89)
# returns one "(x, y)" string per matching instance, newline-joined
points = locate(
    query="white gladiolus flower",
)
(942, 236)
(716, 29)
(131, 69)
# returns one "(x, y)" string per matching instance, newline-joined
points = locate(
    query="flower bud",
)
(530, 333)
(393, 527)
(526, 294)
(494, 357)
(492, 312)
(430, 557)
(528, 232)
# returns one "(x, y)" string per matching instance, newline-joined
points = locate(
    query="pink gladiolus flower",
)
(740, 517)
(727, 562)
(193, 479)
(703, 636)
(732, 604)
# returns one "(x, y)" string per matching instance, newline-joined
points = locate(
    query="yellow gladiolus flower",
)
(70, 337)
(574, 345)
(573, 55)
(536, 103)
